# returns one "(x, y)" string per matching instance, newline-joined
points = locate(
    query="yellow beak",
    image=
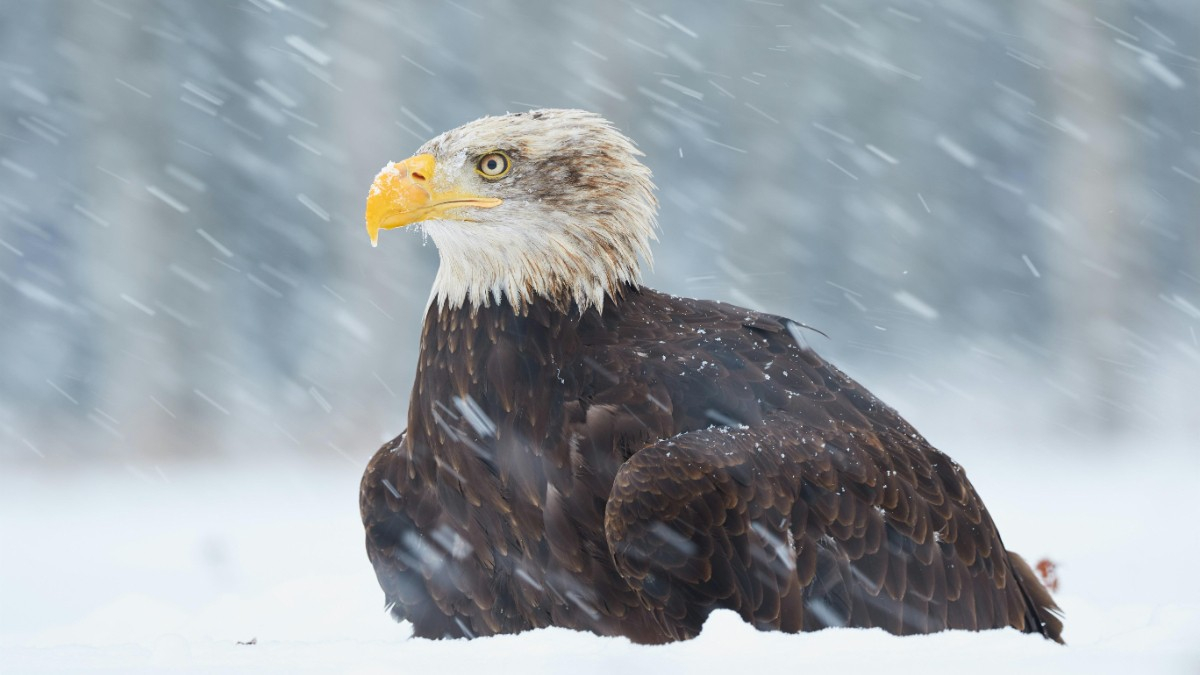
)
(402, 194)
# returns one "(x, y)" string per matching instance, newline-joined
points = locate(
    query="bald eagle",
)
(583, 451)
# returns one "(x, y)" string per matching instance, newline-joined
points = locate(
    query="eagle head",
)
(547, 203)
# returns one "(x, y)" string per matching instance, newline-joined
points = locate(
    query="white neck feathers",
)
(482, 264)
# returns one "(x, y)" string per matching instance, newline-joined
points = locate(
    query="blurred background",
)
(988, 207)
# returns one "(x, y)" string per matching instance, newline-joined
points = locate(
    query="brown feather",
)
(629, 471)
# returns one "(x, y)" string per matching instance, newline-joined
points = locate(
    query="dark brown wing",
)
(404, 563)
(800, 526)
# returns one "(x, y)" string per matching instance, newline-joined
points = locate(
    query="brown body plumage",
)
(627, 472)
(628, 466)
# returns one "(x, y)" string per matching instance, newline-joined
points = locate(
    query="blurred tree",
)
(965, 195)
(1096, 275)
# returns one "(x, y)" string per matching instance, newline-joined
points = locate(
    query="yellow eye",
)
(494, 165)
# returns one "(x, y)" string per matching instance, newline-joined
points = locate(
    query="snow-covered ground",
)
(169, 567)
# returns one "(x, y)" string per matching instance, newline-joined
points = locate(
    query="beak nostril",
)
(417, 175)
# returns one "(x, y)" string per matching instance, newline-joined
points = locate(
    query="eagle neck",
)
(482, 364)
(564, 260)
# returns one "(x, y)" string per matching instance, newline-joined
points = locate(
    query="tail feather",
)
(1045, 615)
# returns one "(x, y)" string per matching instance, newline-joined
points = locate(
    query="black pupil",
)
(493, 164)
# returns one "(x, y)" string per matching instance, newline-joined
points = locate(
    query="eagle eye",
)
(494, 165)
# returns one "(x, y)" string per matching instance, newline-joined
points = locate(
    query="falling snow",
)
(989, 210)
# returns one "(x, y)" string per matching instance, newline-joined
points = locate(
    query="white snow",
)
(307, 48)
(958, 152)
(169, 567)
(917, 305)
